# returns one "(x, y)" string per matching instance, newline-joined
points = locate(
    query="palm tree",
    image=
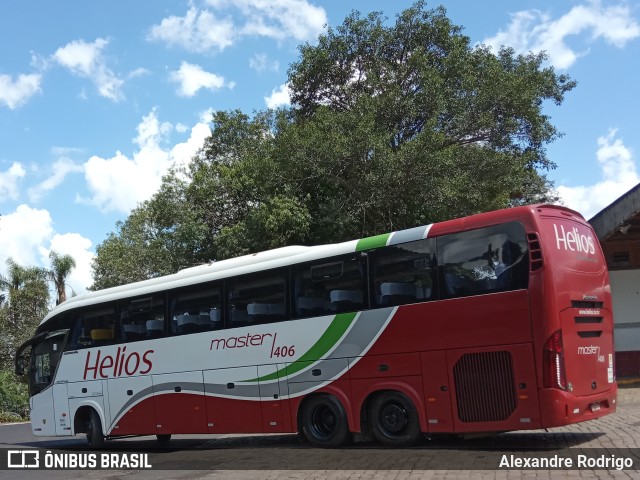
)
(61, 266)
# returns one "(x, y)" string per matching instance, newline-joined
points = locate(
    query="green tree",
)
(392, 126)
(160, 236)
(197, 215)
(14, 398)
(26, 303)
(446, 128)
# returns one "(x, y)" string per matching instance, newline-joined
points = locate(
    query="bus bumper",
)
(560, 408)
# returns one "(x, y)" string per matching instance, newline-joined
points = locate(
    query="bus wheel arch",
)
(392, 418)
(87, 420)
(322, 420)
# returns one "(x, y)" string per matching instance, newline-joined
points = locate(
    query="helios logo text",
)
(573, 240)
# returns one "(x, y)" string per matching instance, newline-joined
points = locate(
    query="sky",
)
(98, 99)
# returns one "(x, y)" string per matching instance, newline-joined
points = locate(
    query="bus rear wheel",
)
(95, 436)
(323, 422)
(394, 420)
(163, 437)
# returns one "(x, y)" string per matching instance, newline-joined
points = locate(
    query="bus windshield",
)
(44, 359)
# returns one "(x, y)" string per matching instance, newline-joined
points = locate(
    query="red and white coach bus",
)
(494, 322)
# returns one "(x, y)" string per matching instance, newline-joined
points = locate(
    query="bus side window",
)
(403, 273)
(196, 310)
(257, 298)
(327, 288)
(142, 318)
(484, 260)
(93, 327)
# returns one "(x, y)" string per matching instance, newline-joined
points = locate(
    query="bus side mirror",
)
(20, 364)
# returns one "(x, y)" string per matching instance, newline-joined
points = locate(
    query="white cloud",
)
(279, 19)
(86, 60)
(260, 62)
(182, 153)
(202, 30)
(65, 151)
(9, 181)
(22, 233)
(138, 72)
(27, 236)
(79, 248)
(533, 30)
(279, 97)
(192, 78)
(13, 94)
(619, 174)
(119, 183)
(61, 168)
(197, 31)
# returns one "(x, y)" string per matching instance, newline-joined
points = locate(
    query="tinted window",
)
(197, 310)
(93, 327)
(328, 287)
(44, 360)
(257, 298)
(142, 318)
(484, 260)
(403, 273)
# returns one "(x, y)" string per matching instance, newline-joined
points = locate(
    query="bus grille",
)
(485, 390)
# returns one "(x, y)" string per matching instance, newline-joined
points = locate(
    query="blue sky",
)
(98, 99)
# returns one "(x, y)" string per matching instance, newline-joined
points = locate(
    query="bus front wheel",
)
(394, 420)
(323, 422)
(95, 436)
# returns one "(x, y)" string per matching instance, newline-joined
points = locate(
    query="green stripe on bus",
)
(329, 338)
(372, 242)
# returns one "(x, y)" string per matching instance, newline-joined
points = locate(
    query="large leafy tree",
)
(439, 127)
(392, 126)
(223, 204)
(157, 238)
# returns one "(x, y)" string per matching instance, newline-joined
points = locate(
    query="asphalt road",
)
(285, 457)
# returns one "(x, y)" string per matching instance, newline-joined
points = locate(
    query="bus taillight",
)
(555, 375)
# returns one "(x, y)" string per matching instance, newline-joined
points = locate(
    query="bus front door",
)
(42, 414)
(49, 405)
(50, 412)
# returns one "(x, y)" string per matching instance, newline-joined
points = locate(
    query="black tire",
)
(394, 420)
(163, 437)
(323, 422)
(95, 436)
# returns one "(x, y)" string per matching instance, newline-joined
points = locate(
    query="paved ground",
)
(614, 438)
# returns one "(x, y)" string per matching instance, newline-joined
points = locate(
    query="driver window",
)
(44, 360)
